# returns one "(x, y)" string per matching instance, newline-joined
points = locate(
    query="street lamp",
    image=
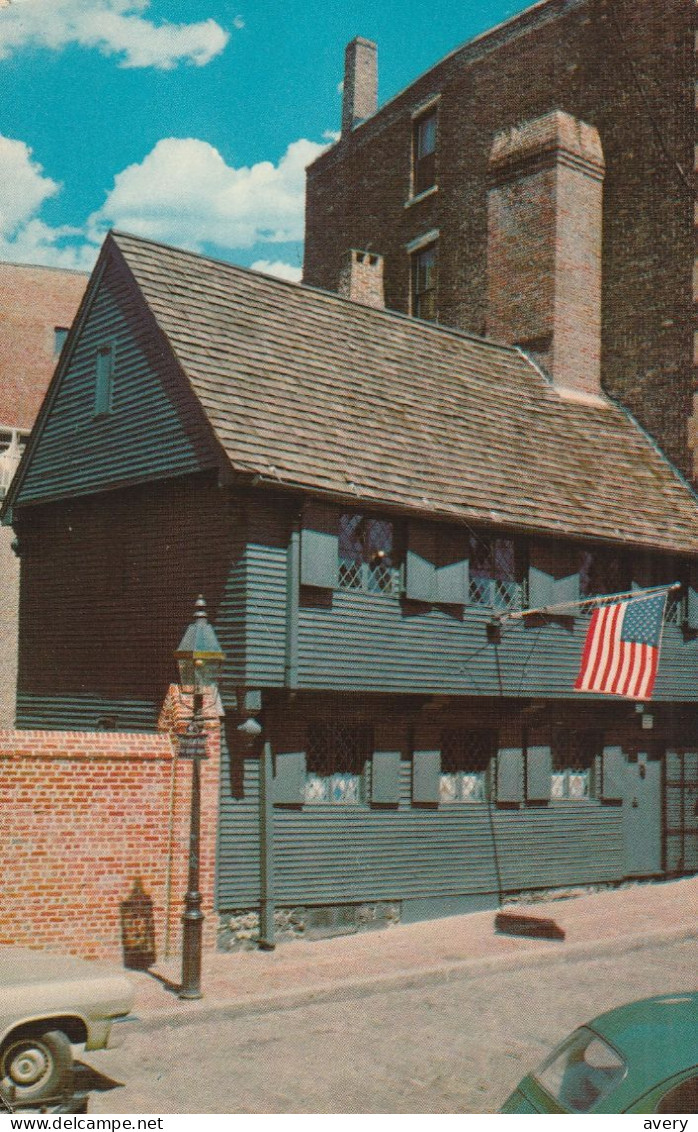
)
(199, 659)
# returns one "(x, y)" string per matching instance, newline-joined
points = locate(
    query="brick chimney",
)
(544, 246)
(360, 98)
(361, 278)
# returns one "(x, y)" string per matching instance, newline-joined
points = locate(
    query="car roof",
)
(658, 1037)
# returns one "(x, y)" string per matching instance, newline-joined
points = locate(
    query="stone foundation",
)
(239, 929)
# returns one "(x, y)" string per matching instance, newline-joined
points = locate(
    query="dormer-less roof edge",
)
(420, 325)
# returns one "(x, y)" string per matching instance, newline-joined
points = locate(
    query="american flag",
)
(621, 650)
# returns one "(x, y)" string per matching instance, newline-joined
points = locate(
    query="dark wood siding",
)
(108, 586)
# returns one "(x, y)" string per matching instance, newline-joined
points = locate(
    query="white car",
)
(49, 1002)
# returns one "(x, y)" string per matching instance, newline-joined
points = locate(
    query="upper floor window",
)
(424, 152)
(495, 572)
(104, 379)
(603, 571)
(425, 278)
(367, 554)
(335, 761)
(465, 758)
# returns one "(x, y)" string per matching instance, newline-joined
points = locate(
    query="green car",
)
(642, 1057)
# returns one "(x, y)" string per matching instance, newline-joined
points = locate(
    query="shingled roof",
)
(306, 389)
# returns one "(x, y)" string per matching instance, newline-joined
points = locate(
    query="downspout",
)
(266, 850)
(267, 902)
(293, 578)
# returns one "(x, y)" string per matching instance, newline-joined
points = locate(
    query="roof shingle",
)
(314, 391)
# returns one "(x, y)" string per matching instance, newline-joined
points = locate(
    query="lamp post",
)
(199, 659)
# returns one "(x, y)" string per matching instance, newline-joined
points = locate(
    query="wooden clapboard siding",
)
(109, 584)
(371, 642)
(153, 430)
(341, 854)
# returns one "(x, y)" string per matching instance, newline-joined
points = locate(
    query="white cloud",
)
(23, 186)
(184, 193)
(114, 27)
(279, 268)
(24, 238)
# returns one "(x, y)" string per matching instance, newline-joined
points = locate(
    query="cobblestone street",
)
(456, 1047)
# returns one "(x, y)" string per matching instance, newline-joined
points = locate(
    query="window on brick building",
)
(60, 333)
(424, 153)
(425, 277)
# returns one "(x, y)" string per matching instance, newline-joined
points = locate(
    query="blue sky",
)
(189, 123)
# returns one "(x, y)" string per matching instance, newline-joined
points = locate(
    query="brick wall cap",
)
(557, 132)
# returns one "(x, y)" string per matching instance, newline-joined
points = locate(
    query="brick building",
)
(37, 305)
(458, 187)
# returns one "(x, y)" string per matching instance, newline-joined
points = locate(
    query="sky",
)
(189, 123)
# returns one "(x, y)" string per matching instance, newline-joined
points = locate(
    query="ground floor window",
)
(465, 758)
(335, 760)
(574, 754)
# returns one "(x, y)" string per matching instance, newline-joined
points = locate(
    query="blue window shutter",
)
(540, 588)
(510, 774)
(566, 590)
(453, 572)
(385, 778)
(420, 567)
(319, 546)
(289, 778)
(426, 765)
(613, 774)
(539, 768)
(691, 607)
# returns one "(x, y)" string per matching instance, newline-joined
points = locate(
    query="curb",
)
(405, 980)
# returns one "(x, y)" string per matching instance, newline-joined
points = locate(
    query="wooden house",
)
(357, 494)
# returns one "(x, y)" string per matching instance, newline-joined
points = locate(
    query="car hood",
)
(19, 965)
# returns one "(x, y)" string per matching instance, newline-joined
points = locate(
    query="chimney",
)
(544, 246)
(361, 278)
(360, 98)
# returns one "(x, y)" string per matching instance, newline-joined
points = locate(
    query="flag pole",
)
(568, 607)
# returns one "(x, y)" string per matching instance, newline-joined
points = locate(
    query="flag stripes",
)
(621, 650)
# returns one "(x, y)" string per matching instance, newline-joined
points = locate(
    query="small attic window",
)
(104, 379)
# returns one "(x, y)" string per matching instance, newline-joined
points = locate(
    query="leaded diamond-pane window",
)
(602, 571)
(367, 555)
(335, 760)
(574, 753)
(494, 573)
(465, 758)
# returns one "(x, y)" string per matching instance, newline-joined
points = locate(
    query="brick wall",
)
(626, 68)
(85, 817)
(33, 301)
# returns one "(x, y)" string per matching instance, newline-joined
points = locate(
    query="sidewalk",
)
(595, 925)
